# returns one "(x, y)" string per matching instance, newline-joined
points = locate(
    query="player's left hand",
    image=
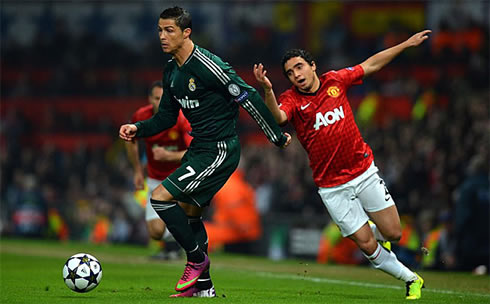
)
(288, 141)
(418, 38)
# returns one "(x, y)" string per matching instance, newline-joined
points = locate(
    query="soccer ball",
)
(82, 272)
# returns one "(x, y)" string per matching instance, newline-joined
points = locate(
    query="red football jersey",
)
(325, 126)
(176, 138)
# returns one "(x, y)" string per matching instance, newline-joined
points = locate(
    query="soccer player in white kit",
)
(342, 163)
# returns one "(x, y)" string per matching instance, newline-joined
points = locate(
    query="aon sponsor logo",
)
(328, 118)
(187, 103)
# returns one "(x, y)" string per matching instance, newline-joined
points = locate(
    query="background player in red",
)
(342, 163)
(163, 153)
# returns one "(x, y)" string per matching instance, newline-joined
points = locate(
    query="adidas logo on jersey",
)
(187, 103)
(328, 118)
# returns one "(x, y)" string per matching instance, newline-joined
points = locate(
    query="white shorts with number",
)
(150, 213)
(348, 203)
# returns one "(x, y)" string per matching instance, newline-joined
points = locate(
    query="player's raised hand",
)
(288, 141)
(260, 75)
(418, 38)
(128, 132)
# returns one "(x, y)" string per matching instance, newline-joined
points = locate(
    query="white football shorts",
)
(348, 203)
(150, 213)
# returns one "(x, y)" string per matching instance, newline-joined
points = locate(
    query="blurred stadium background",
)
(73, 72)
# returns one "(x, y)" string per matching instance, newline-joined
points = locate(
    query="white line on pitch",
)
(353, 283)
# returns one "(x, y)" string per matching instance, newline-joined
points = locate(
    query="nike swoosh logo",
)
(180, 286)
(305, 106)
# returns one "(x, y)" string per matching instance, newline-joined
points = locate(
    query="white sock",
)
(377, 233)
(387, 262)
(167, 236)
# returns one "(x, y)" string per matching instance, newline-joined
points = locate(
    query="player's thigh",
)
(373, 194)
(204, 172)
(388, 222)
(344, 208)
(379, 205)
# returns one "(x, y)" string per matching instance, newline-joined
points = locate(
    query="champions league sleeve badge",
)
(234, 89)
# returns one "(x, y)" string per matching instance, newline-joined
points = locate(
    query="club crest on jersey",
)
(173, 135)
(192, 85)
(333, 91)
(234, 89)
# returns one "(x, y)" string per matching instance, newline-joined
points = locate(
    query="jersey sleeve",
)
(351, 75)
(165, 118)
(287, 105)
(247, 97)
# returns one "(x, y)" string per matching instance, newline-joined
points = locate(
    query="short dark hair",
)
(155, 84)
(296, 53)
(182, 17)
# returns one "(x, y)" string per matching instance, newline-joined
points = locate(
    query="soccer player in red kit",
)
(342, 163)
(163, 153)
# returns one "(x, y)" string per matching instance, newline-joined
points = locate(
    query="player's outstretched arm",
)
(269, 96)
(379, 60)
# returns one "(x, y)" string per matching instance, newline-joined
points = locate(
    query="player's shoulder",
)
(340, 72)
(207, 58)
(288, 94)
(332, 74)
(203, 52)
(289, 97)
(143, 113)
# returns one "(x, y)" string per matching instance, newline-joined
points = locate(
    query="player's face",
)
(171, 36)
(154, 98)
(301, 74)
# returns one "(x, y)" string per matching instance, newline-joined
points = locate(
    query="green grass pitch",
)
(30, 272)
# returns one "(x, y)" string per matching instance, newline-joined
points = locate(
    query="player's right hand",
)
(128, 132)
(418, 38)
(260, 75)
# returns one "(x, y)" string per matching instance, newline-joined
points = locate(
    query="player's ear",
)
(313, 66)
(187, 33)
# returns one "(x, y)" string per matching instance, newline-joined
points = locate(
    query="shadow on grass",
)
(78, 297)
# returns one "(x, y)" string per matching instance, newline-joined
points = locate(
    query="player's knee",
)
(161, 194)
(156, 228)
(368, 246)
(393, 235)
